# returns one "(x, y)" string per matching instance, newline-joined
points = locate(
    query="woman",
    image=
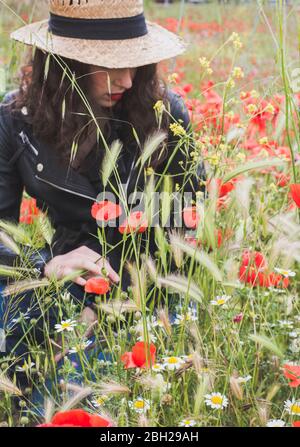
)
(92, 81)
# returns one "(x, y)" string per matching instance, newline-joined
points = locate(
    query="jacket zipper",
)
(65, 189)
(25, 140)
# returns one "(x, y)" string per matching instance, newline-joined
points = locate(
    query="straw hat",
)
(107, 33)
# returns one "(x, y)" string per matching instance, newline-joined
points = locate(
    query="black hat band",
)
(98, 29)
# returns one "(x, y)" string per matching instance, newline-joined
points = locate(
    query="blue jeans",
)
(16, 313)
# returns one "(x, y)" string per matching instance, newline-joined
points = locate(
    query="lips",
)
(116, 96)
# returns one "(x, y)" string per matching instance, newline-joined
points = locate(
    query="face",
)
(107, 85)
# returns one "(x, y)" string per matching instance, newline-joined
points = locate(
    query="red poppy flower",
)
(106, 210)
(97, 285)
(77, 418)
(28, 211)
(254, 257)
(248, 274)
(136, 222)
(282, 179)
(292, 372)
(190, 217)
(277, 280)
(223, 188)
(137, 357)
(296, 424)
(218, 235)
(187, 88)
(295, 190)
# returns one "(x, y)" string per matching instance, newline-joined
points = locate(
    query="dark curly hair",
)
(57, 112)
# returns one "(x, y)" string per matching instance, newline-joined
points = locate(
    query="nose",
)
(124, 78)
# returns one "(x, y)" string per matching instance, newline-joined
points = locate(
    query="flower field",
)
(208, 333)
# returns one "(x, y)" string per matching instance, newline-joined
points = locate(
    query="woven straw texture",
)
(93, 9)
(159, 44)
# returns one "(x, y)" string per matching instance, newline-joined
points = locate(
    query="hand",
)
(82, 258)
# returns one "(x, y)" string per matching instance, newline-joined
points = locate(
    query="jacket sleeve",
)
(11, 185)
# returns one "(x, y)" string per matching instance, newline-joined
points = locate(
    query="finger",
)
(90, 266)
(111, 273)
(80, 281)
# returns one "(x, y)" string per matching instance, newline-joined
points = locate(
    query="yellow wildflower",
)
(251, 108)
(230, 83)
(263, 140)
(230, 114)
(254, 94)
(241, 157)
(235, 38)
(223, 147)
(177, 129)
(204, 62)
(159, 106)
(237, 73)
(270, 108)
(173, 78)
(149, 170)
(214, 159)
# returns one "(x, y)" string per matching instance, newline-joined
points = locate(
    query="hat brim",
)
(157, 45)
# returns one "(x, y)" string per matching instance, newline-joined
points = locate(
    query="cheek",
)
(100, 81)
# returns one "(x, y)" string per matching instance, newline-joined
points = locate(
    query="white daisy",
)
(172, 363)
(139, 330)
(25, 367)
(244, 379)
(151, 338)
(139, 405)
(80, 347)
(295, 346)
(275, 423)
(99, 401)
(216, 400)
(139, 326)
(292, 406)
(284, 272)
(157, 367)
(187, 423)
(21, 318)
(186, 317)
(293, 334)
(65, 325)
(286, 324)
(274, 289)
(154, 321)
(220, 300)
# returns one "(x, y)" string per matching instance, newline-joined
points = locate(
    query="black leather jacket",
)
(67, 195)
